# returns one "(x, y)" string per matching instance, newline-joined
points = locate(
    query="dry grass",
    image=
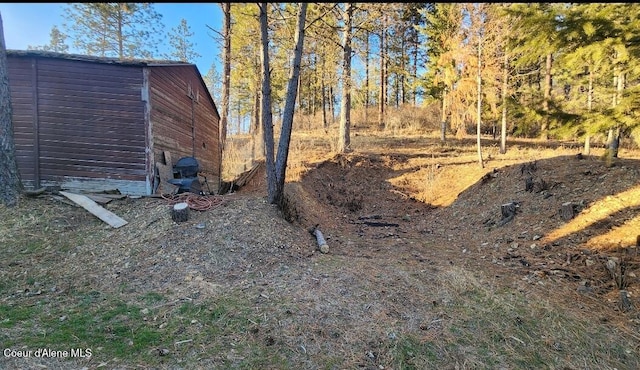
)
(239, 287)
(622, 236)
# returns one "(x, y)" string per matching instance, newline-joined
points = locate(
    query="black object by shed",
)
(185, 173)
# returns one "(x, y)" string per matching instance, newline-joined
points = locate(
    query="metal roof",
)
(96, 59)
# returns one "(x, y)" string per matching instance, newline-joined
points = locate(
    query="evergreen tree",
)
(443, 39)
(122, 30)
(600, 43)
(536, 27)
(213, 80)
(57, 42)
(183, 48)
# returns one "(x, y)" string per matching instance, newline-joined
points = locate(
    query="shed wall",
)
(22, 102)
(182, 125)
(88, 119)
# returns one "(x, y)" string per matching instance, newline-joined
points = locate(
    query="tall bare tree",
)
(479, 103)
(289, 106)
(266, 115)
(276, 170)
(505, 86)
(344, 138)
(10, 184)
(226, 71)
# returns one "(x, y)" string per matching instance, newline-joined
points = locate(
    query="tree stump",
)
(508, 210)
(180, 212)
(625, 302)
(566, 211)
(528, 184)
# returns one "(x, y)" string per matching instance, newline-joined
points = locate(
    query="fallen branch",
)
(182, 342)
(400, 193)
(35, 193)
(378, 224)
(322, 244)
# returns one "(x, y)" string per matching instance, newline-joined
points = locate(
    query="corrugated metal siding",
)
(22, 97)
(171, 117)
(91, 120)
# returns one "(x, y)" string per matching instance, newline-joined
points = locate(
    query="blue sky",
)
(30, 24)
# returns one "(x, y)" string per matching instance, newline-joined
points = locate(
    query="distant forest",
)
(548, 70)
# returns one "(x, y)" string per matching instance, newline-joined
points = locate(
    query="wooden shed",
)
(89, 123)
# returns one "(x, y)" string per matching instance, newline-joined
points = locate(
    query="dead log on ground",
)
(35, 193)
(322, 243)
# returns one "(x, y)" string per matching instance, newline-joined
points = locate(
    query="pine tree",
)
(183, 48)
(442, 31)
(56, 44)
(122, 30)
(213, 80)
(536, 26)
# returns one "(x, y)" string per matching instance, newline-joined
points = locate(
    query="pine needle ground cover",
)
(416, 276)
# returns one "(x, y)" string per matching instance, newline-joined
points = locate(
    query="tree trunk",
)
(265, 104)
(331, 107)
(479, 105)
(505, 86)
(414, 76)
(590, 91)
(544, 129)
(443, 120)
(587, 139)
(383, 74)
(120, 35)
(299, 96)
(226, 72)
(257, 131)
(344, 139)
(366, 79)
(323, 88)
(614, 102)
(10, 184)
(226, 83)
(403, 98)
(289, 107)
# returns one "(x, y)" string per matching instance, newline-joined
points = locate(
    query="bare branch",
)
(320, 17)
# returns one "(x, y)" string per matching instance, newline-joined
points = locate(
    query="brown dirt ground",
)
(367, 205)
(362, 214)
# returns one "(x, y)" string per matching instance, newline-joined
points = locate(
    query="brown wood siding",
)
(22, 96)
(171, 117)
(91, 120)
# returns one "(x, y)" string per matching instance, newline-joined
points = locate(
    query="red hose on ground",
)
(195, 201)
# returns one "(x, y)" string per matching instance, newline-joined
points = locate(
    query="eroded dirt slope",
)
(352, 201)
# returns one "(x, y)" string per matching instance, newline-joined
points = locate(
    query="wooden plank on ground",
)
(104, 198)
(165, 172)
(95, 209)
